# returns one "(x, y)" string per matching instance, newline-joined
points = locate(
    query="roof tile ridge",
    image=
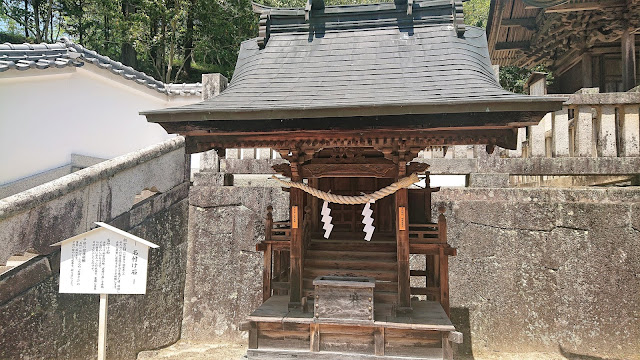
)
(115, 65)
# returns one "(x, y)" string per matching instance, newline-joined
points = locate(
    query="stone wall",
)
(546, 270)
(537, 269)
(224, 271)
(37, 321)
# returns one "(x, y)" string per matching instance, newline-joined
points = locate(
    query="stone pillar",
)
(209, 161)
(264, 153)
(630, 131)
(607, 132)
(232, 154)
(522, 137)
(449, 153)
(537, 140)
(212, 85)
(560, 129)
(460, 151)
(584, 132)
(248, 153)
(496, 71)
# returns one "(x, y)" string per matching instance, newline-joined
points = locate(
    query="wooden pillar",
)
(314, 337)
(378, 337)
(447, 349)
(628, 41)
(253, 335)
(587, 72)
(296, 197)
(443, 262)
(402, 236)
(266, 273)
(444, 281)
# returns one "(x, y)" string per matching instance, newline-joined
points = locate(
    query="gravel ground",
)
(184, 350)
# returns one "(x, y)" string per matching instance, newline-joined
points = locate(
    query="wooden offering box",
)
(340, 298)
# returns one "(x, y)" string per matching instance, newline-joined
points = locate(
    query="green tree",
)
(476, 12)
(39, 19)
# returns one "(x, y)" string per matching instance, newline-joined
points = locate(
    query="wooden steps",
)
(361, 246)
(349, 256)
(385, 275)
(361, 264)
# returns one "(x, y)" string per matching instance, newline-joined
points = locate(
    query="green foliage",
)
(172, 40)
(476, 12)
(513, 78)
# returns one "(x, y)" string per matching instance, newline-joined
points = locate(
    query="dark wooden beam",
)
(527, 23)
(628, 60)
(585, 6)
(296, 199)
(587, 70)
(516, 45)
(349, 170)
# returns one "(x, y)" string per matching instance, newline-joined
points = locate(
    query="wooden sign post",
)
(105, 260)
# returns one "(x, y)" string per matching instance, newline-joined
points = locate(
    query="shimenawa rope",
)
(354, 200)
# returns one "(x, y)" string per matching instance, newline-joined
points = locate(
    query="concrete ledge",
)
(249, 166)
(609, 195)
(23, 277)
(66, 184)
(536, 166)
(618, 98)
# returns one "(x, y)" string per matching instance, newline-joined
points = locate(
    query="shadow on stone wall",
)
(40, 323)
(460, 319)
(575, 356)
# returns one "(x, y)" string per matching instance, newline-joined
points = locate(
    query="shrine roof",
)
(361, 61)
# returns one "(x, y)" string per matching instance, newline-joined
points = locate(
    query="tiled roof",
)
(360, 60)
(66, 53)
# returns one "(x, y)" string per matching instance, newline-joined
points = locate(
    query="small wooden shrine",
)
(349, 95)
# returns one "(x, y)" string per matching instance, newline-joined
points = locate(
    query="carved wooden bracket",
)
(417, 167)
(284, 169)
(349, 170)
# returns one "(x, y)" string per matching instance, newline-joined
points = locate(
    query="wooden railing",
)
(431, 240)
(275, 274)
(276, 247)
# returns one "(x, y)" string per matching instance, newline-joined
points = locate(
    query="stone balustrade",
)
(589, 125)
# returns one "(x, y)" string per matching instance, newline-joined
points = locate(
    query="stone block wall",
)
(552, 270)
(224, 273)
(546, 270)
(39, 323)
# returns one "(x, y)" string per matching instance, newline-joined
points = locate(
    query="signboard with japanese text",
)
(105, 260)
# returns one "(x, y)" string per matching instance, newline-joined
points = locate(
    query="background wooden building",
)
(585, 43)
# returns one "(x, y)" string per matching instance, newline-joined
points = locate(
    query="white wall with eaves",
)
(47, 115)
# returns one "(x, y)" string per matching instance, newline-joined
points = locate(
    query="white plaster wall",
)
(46, 115)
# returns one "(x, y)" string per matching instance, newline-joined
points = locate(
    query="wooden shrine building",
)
(584, 43)
(349, 95)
